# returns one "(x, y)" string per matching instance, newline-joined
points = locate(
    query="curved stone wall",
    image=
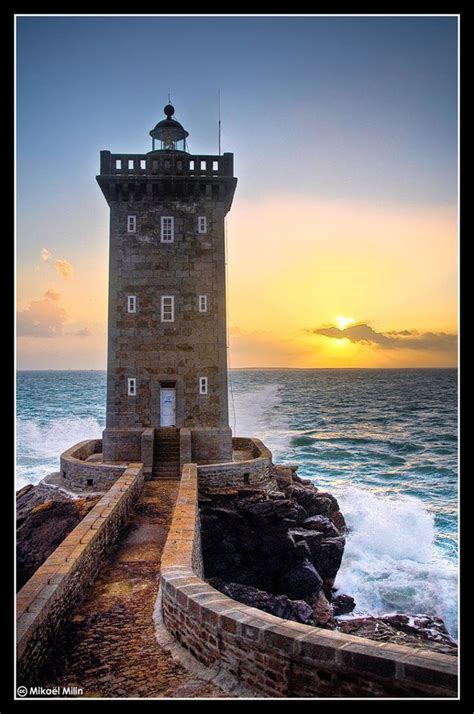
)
(272, 656)
(82, 475)
(253, 471)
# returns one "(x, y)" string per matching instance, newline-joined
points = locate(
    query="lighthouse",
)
(167, 333)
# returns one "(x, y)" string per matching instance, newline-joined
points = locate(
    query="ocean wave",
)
(391, 561)
(258, 413)
(40, 445)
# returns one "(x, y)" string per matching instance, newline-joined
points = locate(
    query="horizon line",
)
(233, 369)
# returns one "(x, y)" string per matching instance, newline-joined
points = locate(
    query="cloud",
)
(64, 268)
(42, 318)
(403, 339)
(45, 255)
(52, 294)
(84, 332)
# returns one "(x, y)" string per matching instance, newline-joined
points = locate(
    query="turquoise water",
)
(383, 441)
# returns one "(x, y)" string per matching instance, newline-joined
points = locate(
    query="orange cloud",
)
(42, 318)
(45, 255)
(64, 268)
(52, 294)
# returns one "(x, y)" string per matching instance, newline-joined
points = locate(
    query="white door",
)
(167, 407)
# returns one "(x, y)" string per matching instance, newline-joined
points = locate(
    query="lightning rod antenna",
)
(219, 96)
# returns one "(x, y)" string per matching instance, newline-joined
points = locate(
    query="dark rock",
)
(283, 476)
(313, 539)
(300, 581)
(339, 521)
(330, 556)
(279, 605)
(45, 516)
(323, 524)
(323, 612)
(342, 604)
(430, 632)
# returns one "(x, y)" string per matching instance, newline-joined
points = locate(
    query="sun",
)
(343, 322)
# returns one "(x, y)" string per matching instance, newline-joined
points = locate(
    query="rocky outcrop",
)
(45, 516)
(280, 605)
(285, 540)
(279, 549)
(418, 630)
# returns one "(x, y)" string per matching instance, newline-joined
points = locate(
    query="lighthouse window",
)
(203, 165)
(202, 385)
(202, 224)
(215, 166)
(130, 163)
(142, 164)
(167, 229)
(118, 163)
(131, 224)
(132, 387)
(132, 303)
(203, 303)
(167, 308)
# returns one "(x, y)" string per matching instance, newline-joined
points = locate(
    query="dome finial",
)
(169, 110)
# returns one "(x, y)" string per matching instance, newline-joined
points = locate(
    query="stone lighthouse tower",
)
(167, 338)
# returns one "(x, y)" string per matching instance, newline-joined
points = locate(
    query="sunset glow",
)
(343, 322)
(345, 214)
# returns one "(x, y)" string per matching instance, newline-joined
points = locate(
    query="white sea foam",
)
(390, 561)
(259, 413)
(39, 446)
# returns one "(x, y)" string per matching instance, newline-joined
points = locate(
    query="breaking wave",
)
(391, 563)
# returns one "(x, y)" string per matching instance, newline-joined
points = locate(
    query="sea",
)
(383, 441)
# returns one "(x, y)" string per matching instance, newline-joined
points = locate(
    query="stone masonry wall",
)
(81, 475)
(122, 444)
(255, 471)
(141, 345)
(276, 657)
(211, 445)
(45, 602)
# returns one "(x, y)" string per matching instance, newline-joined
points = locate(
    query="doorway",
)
(167, 406)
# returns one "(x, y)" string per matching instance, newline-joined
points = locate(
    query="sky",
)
(343, 234)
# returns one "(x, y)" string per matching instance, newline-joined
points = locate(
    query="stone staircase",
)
(166, 462)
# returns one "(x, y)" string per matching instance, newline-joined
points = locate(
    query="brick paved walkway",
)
(109, 647)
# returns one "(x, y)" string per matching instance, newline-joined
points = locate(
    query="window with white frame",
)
(132, 387)
(131, 224)
(131, 303)
(167, 229)
(202, 385)
(167, 308)
(203, 303)
(202, 224)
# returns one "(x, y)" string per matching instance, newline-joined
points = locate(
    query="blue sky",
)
(358, 109)
(337, 102)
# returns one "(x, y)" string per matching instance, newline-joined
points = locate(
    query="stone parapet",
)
(122, 444)
(251, 472)
(211, 445)
(48, 598)
(272, 656)
(184, 446)
(79, 474)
